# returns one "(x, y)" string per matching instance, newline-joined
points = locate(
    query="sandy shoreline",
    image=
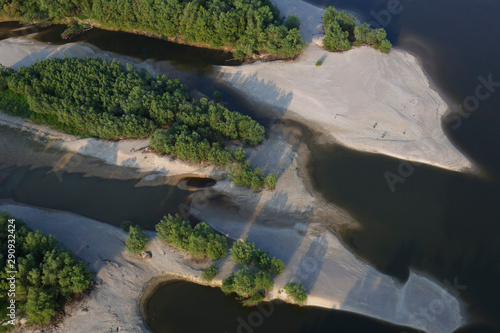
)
(361, 98)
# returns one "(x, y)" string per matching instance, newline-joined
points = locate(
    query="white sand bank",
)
(364, 99)
(19, 52)
(336, 278)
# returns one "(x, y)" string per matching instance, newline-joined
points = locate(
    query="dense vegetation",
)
(245, 25)
(247, 283)
(245, 253)
(297, 291)
(342, 30)
(47, 276)
(93, 97)
(137, 239)
(106, 99)
(199, 241)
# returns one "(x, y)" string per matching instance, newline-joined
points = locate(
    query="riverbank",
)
(121, 277)
(291, 223)
(362, 99)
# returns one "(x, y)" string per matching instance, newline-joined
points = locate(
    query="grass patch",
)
(319, 62)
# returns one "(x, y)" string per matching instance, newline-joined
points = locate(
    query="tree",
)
(296, 291)
(277, 266)
(227, 286)
(263, 281)
(292, 22)
(137, 240)
(242, 252)
(209, 273)
(174, 231)
(385, 46)
(270, 182)
(244, 281)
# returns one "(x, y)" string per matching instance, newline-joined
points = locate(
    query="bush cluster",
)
(297, 291)
(199, 241)
(108, 100)
(47, 276)
(209, 273)
(242, 174)
(245, 253)
(246, 25)
(342, 30)
(247, 282)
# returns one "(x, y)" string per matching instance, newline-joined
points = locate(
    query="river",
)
(442, 222)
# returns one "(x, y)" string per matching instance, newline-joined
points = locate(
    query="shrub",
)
(270, 182)
(137, 240)
(292, 22)
(254, 300)
(209, 273)
(242, 252)
(319, 63)
(277, 266)
(385, 46)
(296, 291)
(126, 226)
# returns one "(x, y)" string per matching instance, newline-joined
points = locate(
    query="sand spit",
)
(361, 98)
(336, 278)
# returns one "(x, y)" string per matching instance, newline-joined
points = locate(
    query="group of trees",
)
(93, 97)
(199, 241)
(245, 253)
(108, 100)
(242, 174)
(47, 276)
(247, 26)
(253, 280)
(342, 30)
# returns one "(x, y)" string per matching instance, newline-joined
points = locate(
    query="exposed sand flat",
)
(364, 99)
(316, 258)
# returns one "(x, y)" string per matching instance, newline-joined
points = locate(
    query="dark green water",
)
(180, 307)
(107, 200)
(442, 222)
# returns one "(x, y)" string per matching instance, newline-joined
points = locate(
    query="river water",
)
(442, 222)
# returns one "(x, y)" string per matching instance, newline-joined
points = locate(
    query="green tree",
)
(296, 291)
(242, 252)
(292, 22)
(263, 281)
(277, 266)
(270, 182)
(209, 273)
(137, 240)
(244, 281)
